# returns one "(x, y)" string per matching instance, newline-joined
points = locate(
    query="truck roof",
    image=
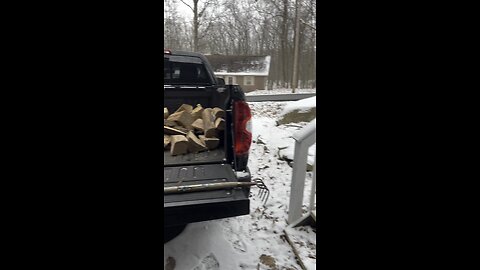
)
(185, 53)
(204, 59)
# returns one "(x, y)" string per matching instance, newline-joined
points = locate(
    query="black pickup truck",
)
(189, 79)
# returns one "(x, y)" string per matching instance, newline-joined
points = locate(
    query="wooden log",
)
(185, 107)
(218, 113)
(182, 129)
(220, 124)
(169, 123)
(198, 125)
(172, 131)
(178, 145)
(182, 118)
(195, 145)
(209, 124)
(210, 143)
(166, 141)
(165, 113)
(197, 112)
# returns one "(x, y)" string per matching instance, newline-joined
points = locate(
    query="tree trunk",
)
(297, 47)
(195, 25)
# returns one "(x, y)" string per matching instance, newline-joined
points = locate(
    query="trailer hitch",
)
(264, 192)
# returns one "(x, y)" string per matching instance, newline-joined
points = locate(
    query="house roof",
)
(240, 65)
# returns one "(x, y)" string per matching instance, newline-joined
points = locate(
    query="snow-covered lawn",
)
(300, 105)
(281, 91)
(256, 241)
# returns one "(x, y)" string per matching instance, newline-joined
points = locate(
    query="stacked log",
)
(192, 130)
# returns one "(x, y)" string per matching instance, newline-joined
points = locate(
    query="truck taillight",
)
(243, 127)
(167, 51)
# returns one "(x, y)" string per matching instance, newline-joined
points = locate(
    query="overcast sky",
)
(184, 10)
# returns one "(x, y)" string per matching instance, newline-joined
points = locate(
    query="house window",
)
(249, 80)
(230, 80)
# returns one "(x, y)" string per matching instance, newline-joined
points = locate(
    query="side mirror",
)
(221, 81)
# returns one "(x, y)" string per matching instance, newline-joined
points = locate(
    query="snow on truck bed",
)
(255, 241)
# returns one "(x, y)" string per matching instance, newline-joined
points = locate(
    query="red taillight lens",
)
(167, 51)
(243, 127)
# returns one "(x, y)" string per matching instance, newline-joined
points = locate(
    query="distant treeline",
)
(248, 27)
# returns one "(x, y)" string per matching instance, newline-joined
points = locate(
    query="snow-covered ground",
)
(300, 105)
(256, 241)
(281, 91)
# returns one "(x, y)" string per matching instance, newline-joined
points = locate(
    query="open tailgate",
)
(186, 208)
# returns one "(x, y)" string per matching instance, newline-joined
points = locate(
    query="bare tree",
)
(200, 11)
(283, 29)
(297, 47)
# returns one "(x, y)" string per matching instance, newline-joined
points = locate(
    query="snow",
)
(303, 105)
(262, 70)
(268, 61)
(302, 236)
(241, 74)
(256, 240)
(281, 91)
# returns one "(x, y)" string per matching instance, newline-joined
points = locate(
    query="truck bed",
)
(208, 97)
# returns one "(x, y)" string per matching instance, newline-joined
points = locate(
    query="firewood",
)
(220, 124)
(192, 130)
(182, 118)
(186, 108)
(173, 131)
(166, 141)
(165, 113)
(209, 123)
(210, 143)
(195, 145)
(218, 113)
(178, 145)
(169, 123)
(198, 125)
(182, 129)
(197, 112)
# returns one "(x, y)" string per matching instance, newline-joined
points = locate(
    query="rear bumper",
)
(197, 211)
(180, 209)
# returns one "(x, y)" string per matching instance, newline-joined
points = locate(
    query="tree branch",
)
(301, 20)
(186, 4)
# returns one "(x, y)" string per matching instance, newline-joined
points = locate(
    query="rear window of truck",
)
(185, 70)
